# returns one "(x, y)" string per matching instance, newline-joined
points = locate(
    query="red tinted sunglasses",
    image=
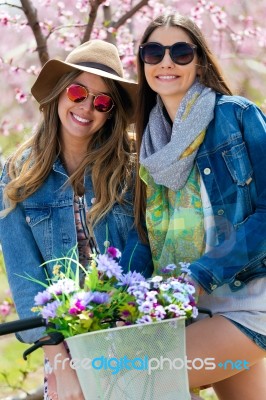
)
(101, 102)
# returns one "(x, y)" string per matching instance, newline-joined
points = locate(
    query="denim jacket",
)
(232, 164)
(42, 228)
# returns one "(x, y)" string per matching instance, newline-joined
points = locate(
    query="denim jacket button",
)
(93, 200)
(237, 283)
(220, 212)
(207, 171)
(28, 219)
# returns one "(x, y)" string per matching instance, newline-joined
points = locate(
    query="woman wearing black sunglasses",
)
(202, 185)
(70, 185)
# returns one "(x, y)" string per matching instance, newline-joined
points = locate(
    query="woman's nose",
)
(167, 62)
(88, 103)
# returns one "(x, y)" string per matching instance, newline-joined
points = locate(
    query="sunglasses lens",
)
(103, 103)
(152, 53)
(182, 53)
(77, 93)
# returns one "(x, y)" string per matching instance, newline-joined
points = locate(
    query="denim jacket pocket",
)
(35, 215)
(40, 222)
(238, 164)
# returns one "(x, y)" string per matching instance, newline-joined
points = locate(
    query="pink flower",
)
(77, 308)
(20, 96)
(5, 309)
(113, 252)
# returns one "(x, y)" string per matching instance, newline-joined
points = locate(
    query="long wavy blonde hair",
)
(109, 158)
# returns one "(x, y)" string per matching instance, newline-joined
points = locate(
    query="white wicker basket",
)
(114, 364)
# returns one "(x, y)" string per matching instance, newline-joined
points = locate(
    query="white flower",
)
(160, 312)
(190, 288)
(144, 320)
(144, 285)
(151, 296)
(179, 296)
(174, 308)
(164, 287)
(65, 286)
(138, 294)
(146, 307)
(157, 278)
(176, 285)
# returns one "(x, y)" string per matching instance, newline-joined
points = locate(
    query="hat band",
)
(103, 67)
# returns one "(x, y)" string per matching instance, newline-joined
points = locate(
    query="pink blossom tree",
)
(34, 31)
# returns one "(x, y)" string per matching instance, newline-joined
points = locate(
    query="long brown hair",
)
(211, 76)
(108, 154)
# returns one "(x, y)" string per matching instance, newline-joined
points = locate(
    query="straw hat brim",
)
(53, 70)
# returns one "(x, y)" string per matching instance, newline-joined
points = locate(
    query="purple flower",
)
(173, 308)
(192, 300)
(49, 311)
(100, 297)
(83, 297)
(168, 268)
(109, 266)
(42, 298)
(185, 267)
(113, 252)
(146, 319)
(151, 296)
(159, 312)
(131, 278)
(146, 307)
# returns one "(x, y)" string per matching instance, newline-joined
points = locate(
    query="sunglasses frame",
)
(88, 92)
(142, 46)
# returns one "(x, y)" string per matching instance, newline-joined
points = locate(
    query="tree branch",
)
(31, 14)
(129, 14)
(92, 17)
(11, 5)
(57, 28)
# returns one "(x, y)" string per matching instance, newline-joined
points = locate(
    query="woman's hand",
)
(65, 385)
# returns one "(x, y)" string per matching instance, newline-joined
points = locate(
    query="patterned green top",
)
(174, 221)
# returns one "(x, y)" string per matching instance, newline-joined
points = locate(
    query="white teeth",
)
(166, 76)
(80, 119)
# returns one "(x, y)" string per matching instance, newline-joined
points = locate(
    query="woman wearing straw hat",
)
(70, 183)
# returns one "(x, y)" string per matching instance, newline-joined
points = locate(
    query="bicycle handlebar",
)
(21, 325)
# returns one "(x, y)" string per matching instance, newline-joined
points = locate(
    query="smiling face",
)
(79, 121)
(171, 81)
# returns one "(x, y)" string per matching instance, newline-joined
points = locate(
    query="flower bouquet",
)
(126, 334)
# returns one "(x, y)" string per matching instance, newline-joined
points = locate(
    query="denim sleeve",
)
(136, 255)
(245, 248)
(22, 258)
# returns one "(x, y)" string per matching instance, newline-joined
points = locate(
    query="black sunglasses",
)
(181, 53)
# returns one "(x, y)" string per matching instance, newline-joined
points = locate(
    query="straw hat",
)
(95, 56)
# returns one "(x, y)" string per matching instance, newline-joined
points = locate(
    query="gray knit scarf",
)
(162, 145)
